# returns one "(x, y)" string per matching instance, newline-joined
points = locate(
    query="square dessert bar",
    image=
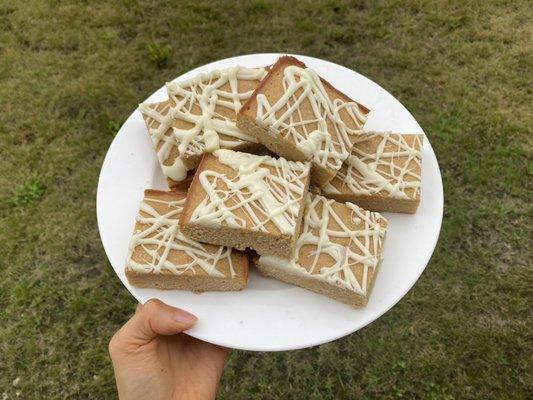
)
(382, 174)
(199, 117)
(300, 116)
(160, 256)
(243, 200)
(337, 254)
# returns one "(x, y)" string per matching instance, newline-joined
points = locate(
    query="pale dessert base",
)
(343, 295)
(196, 284)
(378, 203)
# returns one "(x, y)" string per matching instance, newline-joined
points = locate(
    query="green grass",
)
(70, 72)
(31, 191)
(159, 54)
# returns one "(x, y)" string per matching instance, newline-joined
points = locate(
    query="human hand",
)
(152, 359)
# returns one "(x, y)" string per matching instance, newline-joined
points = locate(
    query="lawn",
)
(71, 73)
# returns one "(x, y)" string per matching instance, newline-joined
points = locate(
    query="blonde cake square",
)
(243, 200)
(337, 254)
(383, 173)
(300, 116)
(160, 256)
(199, 117)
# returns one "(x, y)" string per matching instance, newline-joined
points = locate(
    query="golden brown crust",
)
(184, 184)
(377, 203)
(281, 63)
(166, 195)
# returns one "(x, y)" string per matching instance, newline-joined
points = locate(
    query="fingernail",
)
(183, 317)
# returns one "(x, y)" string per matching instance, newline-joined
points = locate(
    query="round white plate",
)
(269, 315)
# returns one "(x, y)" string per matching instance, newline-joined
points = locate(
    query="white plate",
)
(269, 315)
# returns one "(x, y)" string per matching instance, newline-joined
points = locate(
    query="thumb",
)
(152, 319)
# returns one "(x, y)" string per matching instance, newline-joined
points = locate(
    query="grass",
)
(31, 191)
(159, 54)
(70, 72)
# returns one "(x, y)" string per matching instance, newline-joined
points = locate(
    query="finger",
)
(155, 318)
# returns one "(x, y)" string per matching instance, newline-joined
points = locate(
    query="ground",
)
(71, 73)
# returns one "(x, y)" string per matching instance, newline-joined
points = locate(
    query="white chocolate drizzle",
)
(163, 236)
(163, 139)
(392, 167)
(195, 101)
(363, 250)
(206, 92)
(312, 137)
(262, 194)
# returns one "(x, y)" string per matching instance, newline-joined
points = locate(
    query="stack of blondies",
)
(271, 167)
